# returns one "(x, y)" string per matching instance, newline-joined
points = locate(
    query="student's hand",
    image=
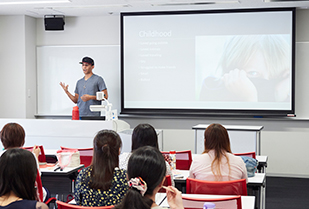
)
(65, 87)
(36, 150)
(174, 199)
(237, 83)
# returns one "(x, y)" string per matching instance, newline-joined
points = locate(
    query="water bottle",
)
(209, 205)
(173, 159)
(75, 113)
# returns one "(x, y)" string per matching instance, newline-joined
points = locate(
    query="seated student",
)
(17, 180)
(217, 163)
(102, 183)
(143, 135)
(146, 171)
(12, 135)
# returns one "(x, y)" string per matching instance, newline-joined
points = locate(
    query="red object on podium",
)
(75, 113)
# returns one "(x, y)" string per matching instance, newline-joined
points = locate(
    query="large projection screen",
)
(223, 62)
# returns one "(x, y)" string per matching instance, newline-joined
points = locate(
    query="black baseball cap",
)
(87, 60)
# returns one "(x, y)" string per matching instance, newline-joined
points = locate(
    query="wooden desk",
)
(59, 182)
(247, 202)
(243, 138)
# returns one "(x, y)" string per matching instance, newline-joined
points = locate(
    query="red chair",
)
(85, 154)
(233, 202)
(63, 205)
(39, 187)
(167, 182)
(235, 187)
(42, 157)
(247, 154)
(38, 181)
(183, 159)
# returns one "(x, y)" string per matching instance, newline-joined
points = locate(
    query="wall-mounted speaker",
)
(54, 22)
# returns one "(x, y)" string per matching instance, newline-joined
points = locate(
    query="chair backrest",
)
(63, 205)
(247, 154)
(235, 187)
(42, 157)
(183, 159)
(86, 154)
(167, 182)
(39, 186)
(233, 202)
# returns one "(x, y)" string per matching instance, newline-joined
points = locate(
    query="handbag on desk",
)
(68, 158)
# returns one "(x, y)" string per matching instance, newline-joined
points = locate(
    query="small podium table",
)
(242, 138)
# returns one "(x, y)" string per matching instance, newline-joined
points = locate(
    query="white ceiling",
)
(75, 8)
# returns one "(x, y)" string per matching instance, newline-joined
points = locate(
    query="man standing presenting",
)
(86, 88)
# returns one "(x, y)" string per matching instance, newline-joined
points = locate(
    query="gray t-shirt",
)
(94, 84)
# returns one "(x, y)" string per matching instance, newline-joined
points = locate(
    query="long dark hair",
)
(144, 135)
(12, 135)
(18, 172)
(106, 145)
(147, 163)
(217, 139)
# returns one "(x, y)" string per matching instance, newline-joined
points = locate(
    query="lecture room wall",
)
(17, 51)
(21, 39)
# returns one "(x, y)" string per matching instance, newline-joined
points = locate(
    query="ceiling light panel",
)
(21, 2)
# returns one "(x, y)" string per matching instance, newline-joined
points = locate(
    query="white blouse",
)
(201, 168)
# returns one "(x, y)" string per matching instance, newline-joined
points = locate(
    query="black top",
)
(21, 204)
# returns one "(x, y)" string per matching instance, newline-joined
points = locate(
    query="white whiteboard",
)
(57, 64)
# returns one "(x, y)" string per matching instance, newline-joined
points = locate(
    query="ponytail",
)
(146, 170)
(105, 159)
(134, 200)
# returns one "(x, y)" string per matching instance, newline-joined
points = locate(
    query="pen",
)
(57, 168)
(166, 188)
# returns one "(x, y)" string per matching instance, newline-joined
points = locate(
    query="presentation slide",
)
(208, 60)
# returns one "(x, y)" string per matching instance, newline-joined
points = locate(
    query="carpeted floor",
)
(287, 193)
